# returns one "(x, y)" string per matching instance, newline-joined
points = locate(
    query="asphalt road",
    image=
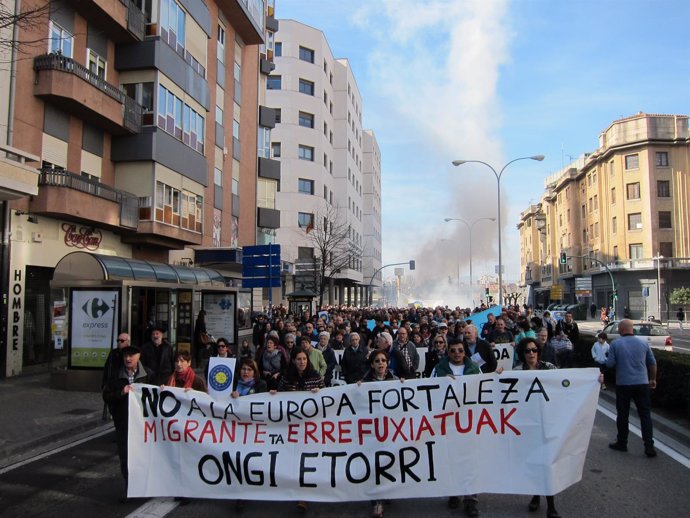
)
(84, 481)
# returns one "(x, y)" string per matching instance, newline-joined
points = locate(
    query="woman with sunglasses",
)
(435, 354)
(528, 353)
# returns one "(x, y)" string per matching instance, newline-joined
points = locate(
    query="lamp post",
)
(498, 175)
(658, 259)
(469, 226)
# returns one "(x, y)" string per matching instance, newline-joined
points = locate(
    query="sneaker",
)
(377, 512)
(534, 503)
(603, 386)
(453, 502)
(471, 509)
(618, 446)
(650, 451)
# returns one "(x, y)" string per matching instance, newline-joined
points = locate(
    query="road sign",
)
(261, 266)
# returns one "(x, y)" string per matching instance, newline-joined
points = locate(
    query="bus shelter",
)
(95, 297)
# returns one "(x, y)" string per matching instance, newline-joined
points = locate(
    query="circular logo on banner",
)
(220, 378)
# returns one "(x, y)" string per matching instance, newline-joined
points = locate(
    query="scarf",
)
(186, 378)
(245, 387)
(271, 361)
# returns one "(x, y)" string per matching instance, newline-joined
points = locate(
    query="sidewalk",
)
(36, 418)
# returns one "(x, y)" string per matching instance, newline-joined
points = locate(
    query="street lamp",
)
(469, 226)
(498, 175)
(658, 258)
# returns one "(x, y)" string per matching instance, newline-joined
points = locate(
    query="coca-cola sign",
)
(85, 237)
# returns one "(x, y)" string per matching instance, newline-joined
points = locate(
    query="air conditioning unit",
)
(288, 268)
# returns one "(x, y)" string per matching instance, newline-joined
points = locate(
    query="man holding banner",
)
(479, 350)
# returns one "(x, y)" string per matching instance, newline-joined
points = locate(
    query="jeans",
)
(639, 394)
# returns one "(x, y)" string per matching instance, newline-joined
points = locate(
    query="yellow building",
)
(620, 214)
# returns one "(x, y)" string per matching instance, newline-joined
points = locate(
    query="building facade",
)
(144, 119)
(620, 216)
(330, 170)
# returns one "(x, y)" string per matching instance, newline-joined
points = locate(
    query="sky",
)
(492, 80)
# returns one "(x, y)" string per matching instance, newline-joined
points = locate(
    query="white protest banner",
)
(525, 432)
(221, 376)
(504, 354)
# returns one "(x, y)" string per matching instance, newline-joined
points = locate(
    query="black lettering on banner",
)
(381, 467)
(333, 456)
(483, 391)
(167, 394)
(428, 389)
(272, 468)
(153, 400)
(450, 396)
(306, 469)
(259, 474)
(194, 407)
(202, 474)
(511, 382)
(407, 465)
(430, 453)
(537, 388)
(349, 471)
(465, 401)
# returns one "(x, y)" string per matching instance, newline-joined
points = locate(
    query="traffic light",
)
(412, 265)
(564, 258)
(486, 292)
(615, 294)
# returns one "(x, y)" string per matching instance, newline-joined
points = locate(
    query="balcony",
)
(73, 87)
(130, 22)
(73, 197)
(17, 179)
(157, 234)
(247, 19)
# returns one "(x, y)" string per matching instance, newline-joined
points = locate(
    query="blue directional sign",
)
(261, 266)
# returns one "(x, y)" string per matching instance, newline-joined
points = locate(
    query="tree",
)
(680, 296)
(334, 249)
(31, 15)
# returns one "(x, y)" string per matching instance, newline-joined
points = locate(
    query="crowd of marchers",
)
(297, 353)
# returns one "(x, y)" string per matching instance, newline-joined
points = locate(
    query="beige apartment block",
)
(620, 214)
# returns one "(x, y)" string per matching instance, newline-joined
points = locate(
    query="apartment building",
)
(330, 169)
(620, 215)
(144, 126)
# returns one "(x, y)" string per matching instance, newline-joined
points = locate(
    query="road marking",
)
(154, 508)
(679, 347)
(6, 469)
(657, 444)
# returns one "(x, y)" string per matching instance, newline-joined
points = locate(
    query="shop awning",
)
(84, 266)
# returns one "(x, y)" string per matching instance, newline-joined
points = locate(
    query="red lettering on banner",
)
(293, 431)
(86, 237)
(361, 431)
(485, 420)
(424, 426)
(398, 428)
(209, 429)
(443, 417)
(309, 429)
(327, 428)
(458, 424)
(504, 421)
(189, 427)
(173, 435)
(150, 427)
(224, 432)
(259, 431)
(344, 432)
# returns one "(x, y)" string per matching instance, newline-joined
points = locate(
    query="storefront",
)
(96, 297)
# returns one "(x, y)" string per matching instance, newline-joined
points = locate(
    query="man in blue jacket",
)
(635, 376)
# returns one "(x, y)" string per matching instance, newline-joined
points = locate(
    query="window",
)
(306, 153)
(304, 252)
(306, 119)
(275, 149)
(305, 220)
(172, 22)
(613, 196)
(666, 248)
(237, 75)
(180, 120)
(219, 115)
(665, 220)
(305, 186)
(60, 40)
(278, 49)
(217, 177)
(614, 225)
(264, 143)
(663, 189)
(632, 161)
(632, 191)
(273, 82)
(306, 87)
(96, 64)
(661, 159)
(278, 115)
(220, 48)
(635, 251)
(635, 221)
(306, 54)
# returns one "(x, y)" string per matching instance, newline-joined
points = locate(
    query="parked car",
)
(656, 335)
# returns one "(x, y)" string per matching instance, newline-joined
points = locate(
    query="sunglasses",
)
(531, 350)
(454, 350)
(439, 342)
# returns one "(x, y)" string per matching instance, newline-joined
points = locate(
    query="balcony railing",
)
(136, 20)
(129, 203)
(131, 109)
